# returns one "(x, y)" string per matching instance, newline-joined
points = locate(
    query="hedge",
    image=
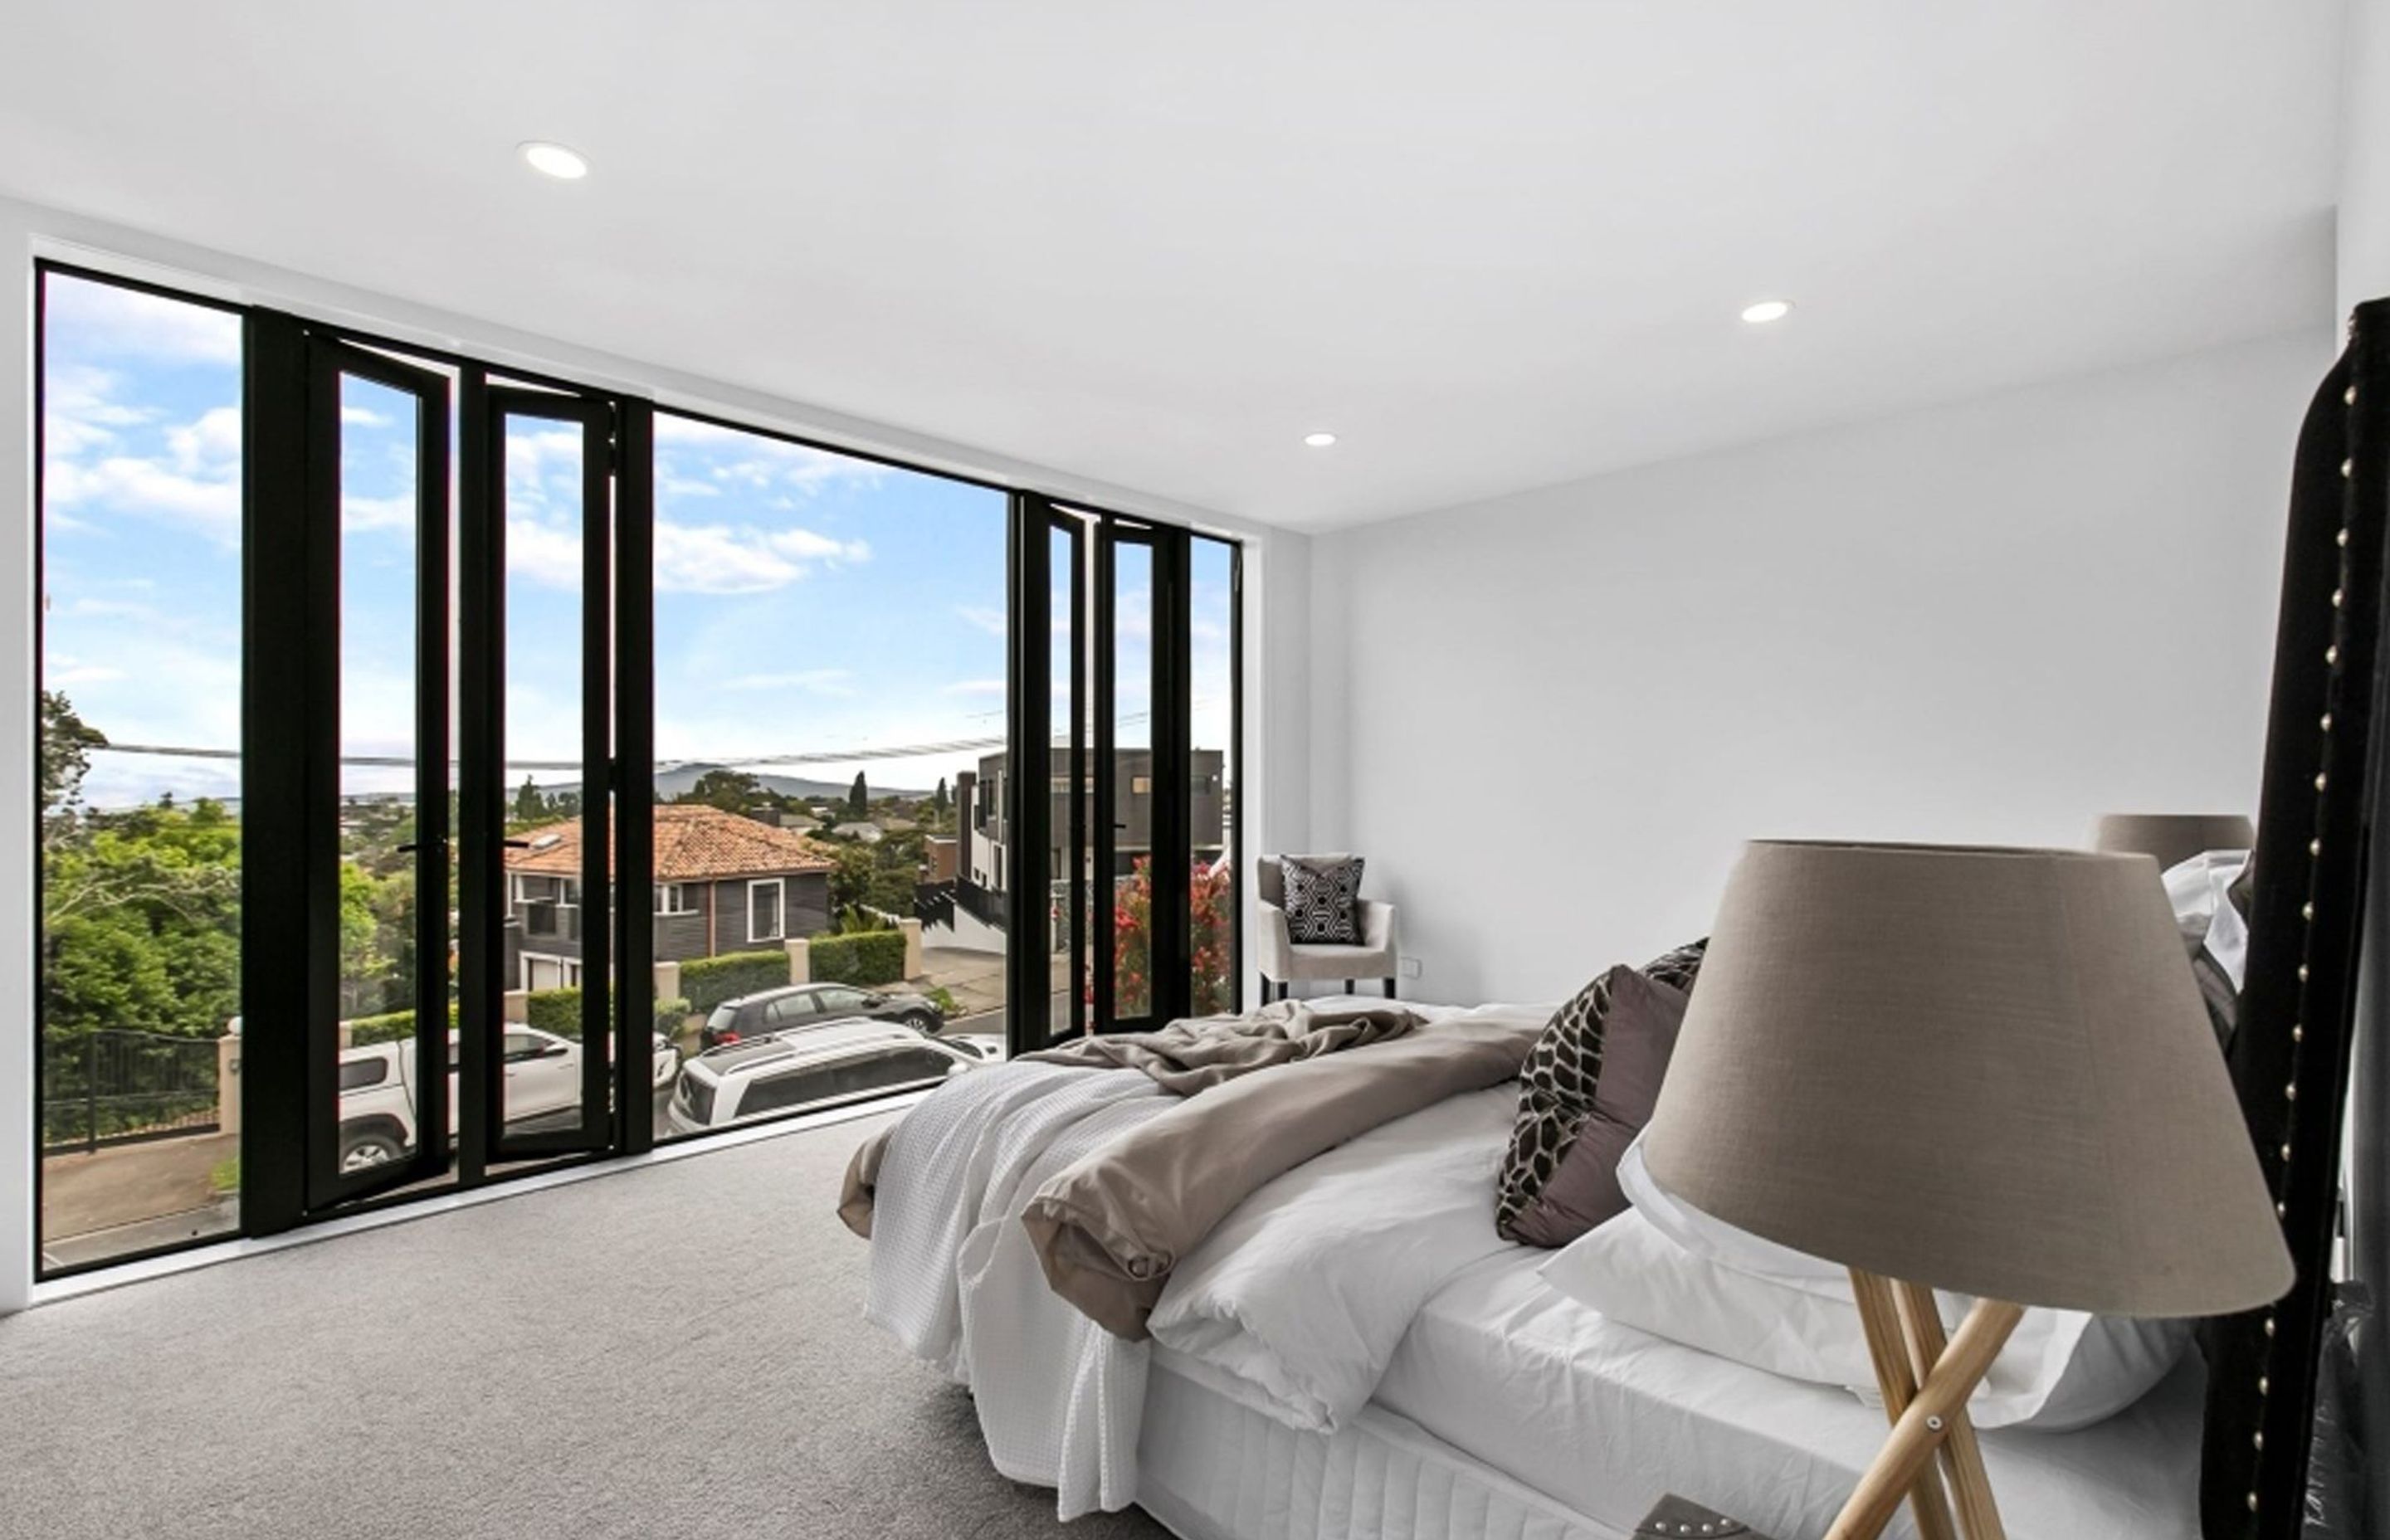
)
(559, 1010)
(710, 980)
(389, 1027)
(866, 958)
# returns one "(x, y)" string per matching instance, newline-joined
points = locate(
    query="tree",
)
(529, 807)
(851, 881)
(731, 790)
(67, 743)
(859, 798)
(940, 803)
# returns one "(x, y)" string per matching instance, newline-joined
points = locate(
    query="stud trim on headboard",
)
(2290, 1058)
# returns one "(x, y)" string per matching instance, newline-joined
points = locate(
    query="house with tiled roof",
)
(723, 883)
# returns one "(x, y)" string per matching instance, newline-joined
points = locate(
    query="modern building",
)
(725, 882)
(988, 857)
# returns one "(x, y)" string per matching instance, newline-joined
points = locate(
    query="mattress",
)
(1211, 1467)
(1604, 1420)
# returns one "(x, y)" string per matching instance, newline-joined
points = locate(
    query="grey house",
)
(723, 883)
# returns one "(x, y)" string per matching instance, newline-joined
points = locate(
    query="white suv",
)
(378, 1089)
(806, 1067)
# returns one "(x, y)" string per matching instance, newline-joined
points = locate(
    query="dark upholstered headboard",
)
(2325, 739)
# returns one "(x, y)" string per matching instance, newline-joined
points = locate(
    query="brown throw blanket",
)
(1206, 1051)
(1110, 1227)
(1184, 1058)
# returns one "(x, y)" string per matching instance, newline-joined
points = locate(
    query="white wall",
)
(2364, 226)
(1549, 721)
(1277, 575)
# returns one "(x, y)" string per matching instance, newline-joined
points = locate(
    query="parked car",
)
(378, 1089)
(774, 1010)
(807, 1067)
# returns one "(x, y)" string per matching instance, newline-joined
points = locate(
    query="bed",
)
(1355, 1351)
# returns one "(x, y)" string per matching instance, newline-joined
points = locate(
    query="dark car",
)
(776, 1010)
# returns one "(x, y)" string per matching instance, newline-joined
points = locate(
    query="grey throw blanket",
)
(1204, 1051)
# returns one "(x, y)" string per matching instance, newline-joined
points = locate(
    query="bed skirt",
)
(1209, 1469)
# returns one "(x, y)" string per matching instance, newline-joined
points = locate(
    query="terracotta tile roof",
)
(694, 843)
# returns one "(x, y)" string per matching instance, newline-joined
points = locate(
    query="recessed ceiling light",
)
(1320, 441)
(565, 166)
(1766, 311)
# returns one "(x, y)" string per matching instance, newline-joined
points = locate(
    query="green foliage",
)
(850, 881)
(66, 745)
(672, 1015)
(866, 958)
(855, 919)
(940, 800)
(942, 998)
(392, 1026)
(731, 790)
(859, 798)
(710, 980)
(556, 1010)
(141, 918)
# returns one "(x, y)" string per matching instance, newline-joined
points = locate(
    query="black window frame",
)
(274, 1191)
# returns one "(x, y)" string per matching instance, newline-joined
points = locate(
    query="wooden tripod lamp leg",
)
(1879, 1313)
(1962, 1457)
(1921, 1428)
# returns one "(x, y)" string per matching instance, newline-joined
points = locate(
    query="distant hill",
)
(673, 783)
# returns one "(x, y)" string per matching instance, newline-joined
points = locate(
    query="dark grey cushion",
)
(1321, 899)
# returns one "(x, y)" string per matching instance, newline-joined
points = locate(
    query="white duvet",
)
(1295, 1305)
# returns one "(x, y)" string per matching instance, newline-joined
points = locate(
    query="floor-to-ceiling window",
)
(585, 774)
(139, 770)
(829, 664)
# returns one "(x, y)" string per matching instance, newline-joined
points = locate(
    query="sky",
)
(806, 602)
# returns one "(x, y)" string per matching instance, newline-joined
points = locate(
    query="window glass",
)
(138, 771)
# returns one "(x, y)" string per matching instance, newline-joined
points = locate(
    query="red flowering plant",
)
(1211, 896)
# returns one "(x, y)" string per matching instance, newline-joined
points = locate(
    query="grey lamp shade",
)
(2173, 837)
(1987, 1070)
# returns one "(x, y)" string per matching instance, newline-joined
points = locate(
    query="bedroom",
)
(1824, 422)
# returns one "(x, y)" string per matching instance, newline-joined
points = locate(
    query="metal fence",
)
(106, 1087)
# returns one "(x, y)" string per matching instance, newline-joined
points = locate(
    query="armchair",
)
(1286, 960)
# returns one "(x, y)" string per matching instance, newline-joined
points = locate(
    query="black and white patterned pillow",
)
(1558, 1081)
(1321, 900)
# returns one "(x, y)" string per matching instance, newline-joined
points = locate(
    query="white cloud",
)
(545, 553)
(986, 617)
(359, 514)
(719, 559)
(142, 486)
(209, 446)
(106, 319)
(975, 687)
(364, 417)
(818, 681)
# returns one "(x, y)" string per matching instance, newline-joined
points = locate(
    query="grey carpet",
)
(676, 1350)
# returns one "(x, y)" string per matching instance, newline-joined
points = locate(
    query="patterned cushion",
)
(1321, 895)
(1561, 1096)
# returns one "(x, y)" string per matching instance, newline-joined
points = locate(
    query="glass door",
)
(1135, 811)
(380, 1097)
(536, 643)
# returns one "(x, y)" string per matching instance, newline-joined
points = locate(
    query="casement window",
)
(672, 898)
(765, 918)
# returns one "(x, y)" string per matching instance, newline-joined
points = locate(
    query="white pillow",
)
(1793, 1315)
(2202, 908)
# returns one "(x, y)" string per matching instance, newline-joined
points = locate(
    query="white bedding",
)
(1299, 1298)
(1369, 1283)
(1606, 1419)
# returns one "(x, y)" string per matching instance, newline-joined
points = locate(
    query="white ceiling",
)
(1492, 245)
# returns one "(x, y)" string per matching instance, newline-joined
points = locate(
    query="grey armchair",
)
(1286, 960)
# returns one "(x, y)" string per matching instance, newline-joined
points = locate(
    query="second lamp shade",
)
(1987, 1070)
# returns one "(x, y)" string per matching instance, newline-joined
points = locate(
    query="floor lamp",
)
(1980, 1071)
